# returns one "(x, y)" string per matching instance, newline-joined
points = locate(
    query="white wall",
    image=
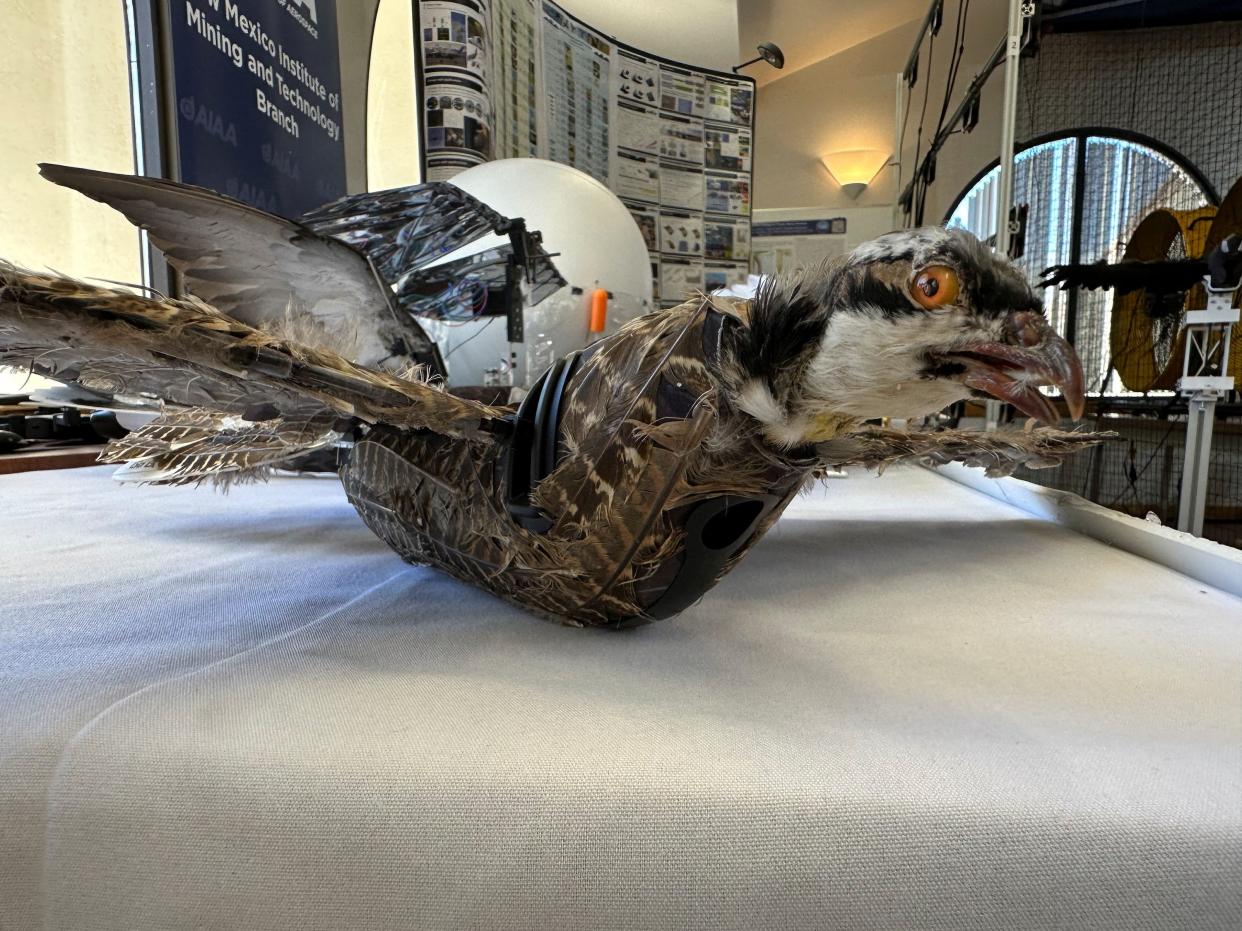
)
(697, 32)
(849, 101)
(64, 93)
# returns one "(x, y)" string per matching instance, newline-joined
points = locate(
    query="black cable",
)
(490, 321)
(1132, 487)
(901, 142)
(955, 57)
(918, 146)
(955, 61)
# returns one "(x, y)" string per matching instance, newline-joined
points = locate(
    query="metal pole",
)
(991, 415)
(1009, 118)
(1200, 419)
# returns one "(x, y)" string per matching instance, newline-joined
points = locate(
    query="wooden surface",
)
(58, 457)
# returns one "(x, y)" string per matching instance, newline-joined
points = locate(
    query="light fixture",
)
(769, 52)
(854, 169)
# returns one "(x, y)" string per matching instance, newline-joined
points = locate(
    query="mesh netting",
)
(1130, 148)
(1141, 473)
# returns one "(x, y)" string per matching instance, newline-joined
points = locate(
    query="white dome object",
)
(595, 243)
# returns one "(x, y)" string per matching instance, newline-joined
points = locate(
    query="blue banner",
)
(257, 90)
(830, 227)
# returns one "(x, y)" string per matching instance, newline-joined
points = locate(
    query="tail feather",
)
(191, 446)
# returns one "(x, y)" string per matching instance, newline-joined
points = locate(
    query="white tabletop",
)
(913, 706)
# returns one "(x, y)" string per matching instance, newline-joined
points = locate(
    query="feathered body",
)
(659, 457)
(643, 440)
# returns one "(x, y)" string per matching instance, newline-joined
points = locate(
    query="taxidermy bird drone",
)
(634, 474)
(1159, 277)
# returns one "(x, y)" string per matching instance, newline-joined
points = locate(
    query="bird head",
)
(901, 327)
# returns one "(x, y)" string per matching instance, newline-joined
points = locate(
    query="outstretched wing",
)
(999, 452)
(1160, 277)
(403, 230)
(263, 270)
(188, 353)
(194, 445)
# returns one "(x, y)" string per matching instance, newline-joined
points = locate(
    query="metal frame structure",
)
(966, 114)
(1019, 12)
(152, 112)
(1205, 380)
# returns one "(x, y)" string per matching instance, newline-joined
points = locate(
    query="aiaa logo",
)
(309, 7)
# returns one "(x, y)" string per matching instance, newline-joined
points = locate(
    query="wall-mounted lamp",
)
(769, 52)
(854, 169)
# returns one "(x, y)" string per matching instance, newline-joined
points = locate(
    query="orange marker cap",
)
(599, 310)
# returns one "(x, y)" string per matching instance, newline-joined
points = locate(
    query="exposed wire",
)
(1132, 487)
(448, 355)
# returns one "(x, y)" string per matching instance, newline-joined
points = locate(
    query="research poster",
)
(524, 78)
(577, 63)
(257, 94)
(515, 88)
(686, 135)
(457, 110)
(787, 246)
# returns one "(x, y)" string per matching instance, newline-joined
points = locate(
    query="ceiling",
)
(1073, 15)
(808, 31)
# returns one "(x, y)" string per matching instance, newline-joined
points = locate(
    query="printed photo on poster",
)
(682, 91)
(720, 277)
(457, 117)
(636, 79)
(728, 194)
(729, 101)
(681, 234)
(648, 220)
(726, 239)
(727, 148)
(681, 138)
(454, 36)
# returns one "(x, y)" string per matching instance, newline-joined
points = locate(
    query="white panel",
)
(394, 139)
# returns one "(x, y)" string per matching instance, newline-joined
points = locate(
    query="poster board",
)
(786, 240)
(256, 100)
(524, 78)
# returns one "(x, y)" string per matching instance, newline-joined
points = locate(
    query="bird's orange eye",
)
(935, 286)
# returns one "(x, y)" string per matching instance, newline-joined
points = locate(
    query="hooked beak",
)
(1013, 370)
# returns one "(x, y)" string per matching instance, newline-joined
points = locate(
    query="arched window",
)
(1085, 191)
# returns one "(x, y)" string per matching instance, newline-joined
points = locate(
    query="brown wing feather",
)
(189, 353)
(190, 446)
(259, 268)
(999, 453)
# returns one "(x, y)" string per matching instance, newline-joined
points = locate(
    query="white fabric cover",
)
(911, 707)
